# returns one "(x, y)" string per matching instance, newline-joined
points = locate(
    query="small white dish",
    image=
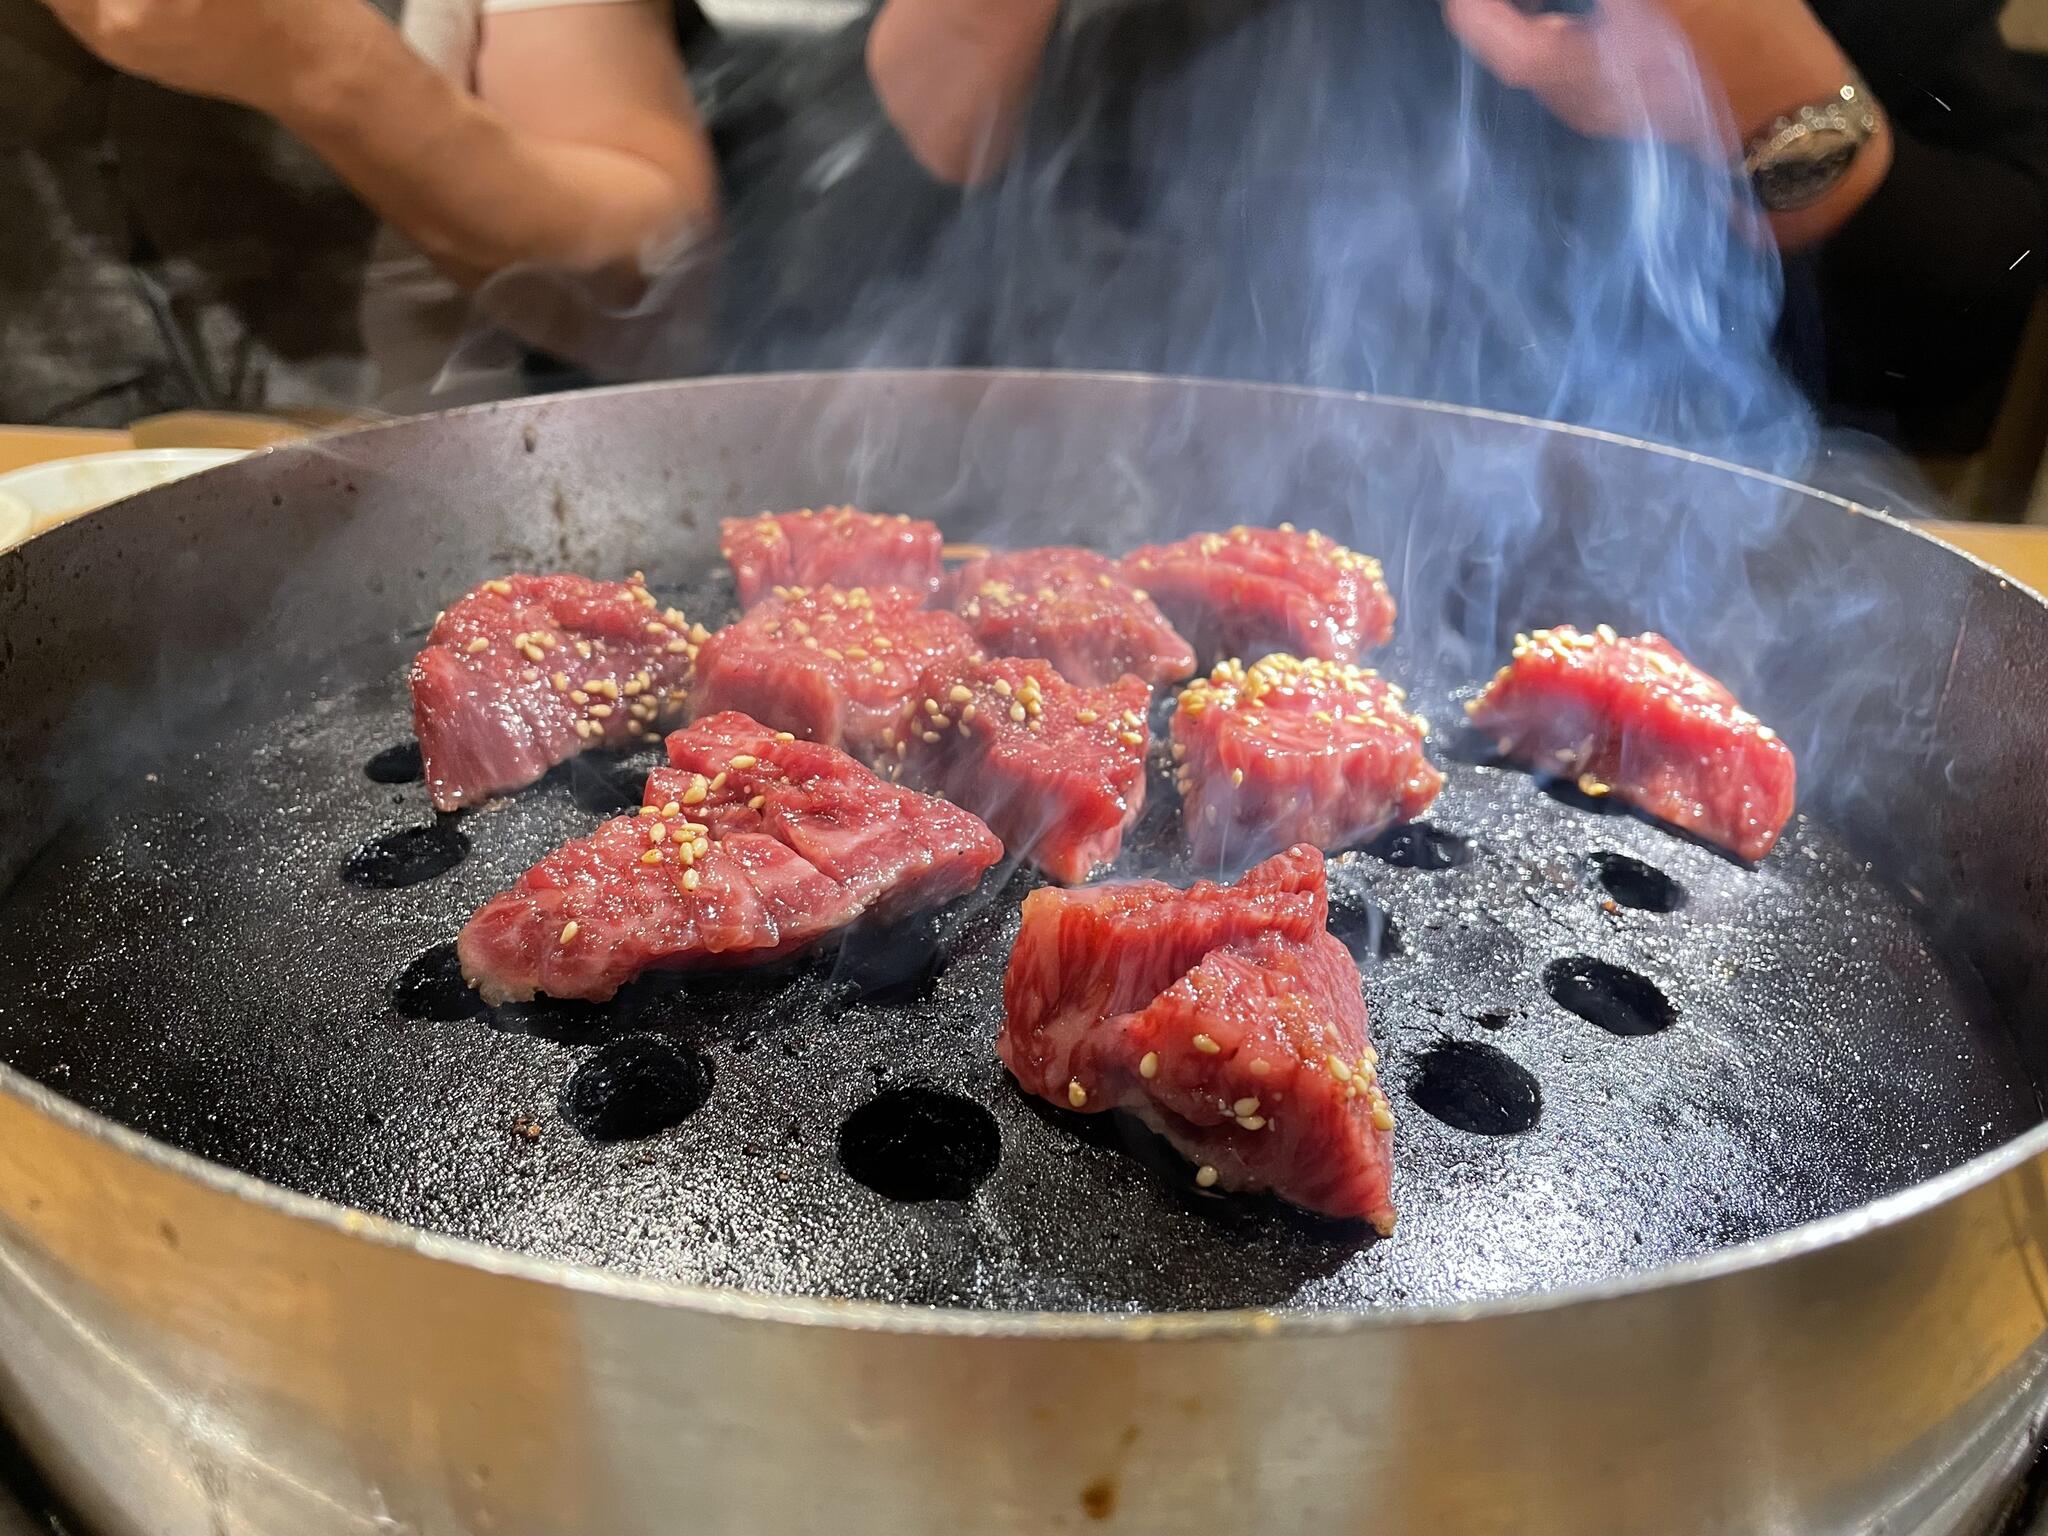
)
(63, 488)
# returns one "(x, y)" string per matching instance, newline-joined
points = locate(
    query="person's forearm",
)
(955, 78)
(1770, 62)
(475, 194)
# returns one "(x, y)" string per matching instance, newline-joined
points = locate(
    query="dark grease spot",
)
(898, 962)
(398, 764)
(606, 786)
(1421, 845)
(431, 987)
(1098, 1499)
(1362, 923)
(1475, 1087)
(1620, 1001)
(920, 1144)
(636, 1086)
(1636, 884)
(407, 856)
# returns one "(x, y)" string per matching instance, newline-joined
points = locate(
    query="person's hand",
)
(250, 51)
(1633, 68)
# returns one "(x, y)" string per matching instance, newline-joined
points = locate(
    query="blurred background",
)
(230, 221)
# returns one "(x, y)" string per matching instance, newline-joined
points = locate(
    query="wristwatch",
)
(1799, 159)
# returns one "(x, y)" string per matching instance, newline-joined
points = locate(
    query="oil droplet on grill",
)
(1620, 1001)
(398, 764)
(431, 987)
(1635, 884)
(1475, 1087)
(1421, 845)
(920, 1144)
(406, 856)
(635, 1086)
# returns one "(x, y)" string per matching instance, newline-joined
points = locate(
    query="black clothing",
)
(1923, 294)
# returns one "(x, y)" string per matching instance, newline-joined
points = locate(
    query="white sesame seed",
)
(1206, 1176)
(1076, 1094)
(744, 761)
(1245, 1106)
(1252, 1122)
(569, 931)
(1148, 1065)
(1206, 1046)
(479, 644)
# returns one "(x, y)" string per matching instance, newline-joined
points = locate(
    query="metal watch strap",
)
(1800, 157)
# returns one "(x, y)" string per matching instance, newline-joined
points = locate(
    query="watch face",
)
(1803, 172)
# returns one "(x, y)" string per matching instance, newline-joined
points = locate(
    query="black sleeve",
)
(830, 218)
(1925, 291)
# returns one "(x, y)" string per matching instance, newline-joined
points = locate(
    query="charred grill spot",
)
(399, 763)
(1367, 929)
(1472, 1086)
(914, 1144)
(1633, 883)
(606, 785)
(898, 962)
(1421, 845)
(1619, 1000)
(407, 856)
(635, 1087)
(432, 987)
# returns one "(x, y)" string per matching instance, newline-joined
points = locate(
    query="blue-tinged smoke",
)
(1324, 192)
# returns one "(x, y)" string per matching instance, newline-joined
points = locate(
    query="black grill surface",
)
(187, 958)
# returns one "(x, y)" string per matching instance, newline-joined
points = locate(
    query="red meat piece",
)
(894, 849)
(1288, 751)
(753, 846)
(835, 666)
(524, 672)
(1633, 718)
(1074, 608)
(1254, 590)
(1227, 1018)
(839, 546)
(1057, 771)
